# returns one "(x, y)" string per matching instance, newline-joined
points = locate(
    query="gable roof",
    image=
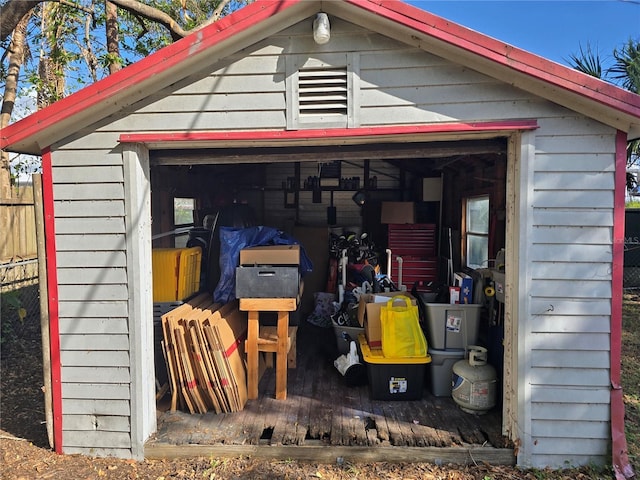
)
(590, 96)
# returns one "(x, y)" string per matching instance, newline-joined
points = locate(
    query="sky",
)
(554, 29)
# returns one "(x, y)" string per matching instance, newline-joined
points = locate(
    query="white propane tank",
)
(474, 382)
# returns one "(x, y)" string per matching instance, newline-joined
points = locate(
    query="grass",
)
(631, 374)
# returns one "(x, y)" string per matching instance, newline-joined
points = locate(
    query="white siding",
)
(94, 333)
(570, 245)
(564, 314)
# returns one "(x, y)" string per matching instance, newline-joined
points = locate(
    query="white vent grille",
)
(322, 91)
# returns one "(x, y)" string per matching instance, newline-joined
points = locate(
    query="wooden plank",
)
(568, 341)
(542, 306)
(396, 436)
(334, 398)
(75, 406)
(281, 355)
(92, 276)
(355, 422)
(585, 235)
(328, 454)
(80, 208)
(93, 293)
(575, 180)
(541, 270)
(571, 289)
(77, 174)
(94, 326)
(88, 191)
(91, 242)
(95, 375)
(97, 439)
(570, 359)
(566, 394)
(571, 253)
(89, 224)
(268, 304)
(563, 375)
(124, 453)
(96, 259)
(253, 333)
(85, 343)
(572, 199)
(566, 429)
(305, 405)
(573, 217)
(254, 423)
(113, 391)
(571, 161)
(438, 436)
(320, 417)
(95, 358)
(96, 422)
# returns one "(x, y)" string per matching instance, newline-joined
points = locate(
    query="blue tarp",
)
(232, 240)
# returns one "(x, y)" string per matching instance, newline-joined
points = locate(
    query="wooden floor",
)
(321, 412)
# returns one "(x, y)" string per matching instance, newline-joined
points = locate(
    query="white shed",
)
(399, 94)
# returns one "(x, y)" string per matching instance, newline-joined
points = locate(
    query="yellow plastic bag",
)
(401, 332)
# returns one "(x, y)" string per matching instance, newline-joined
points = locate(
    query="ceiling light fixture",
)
(321, 29)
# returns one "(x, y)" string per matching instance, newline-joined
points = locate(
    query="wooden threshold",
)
(322, 453)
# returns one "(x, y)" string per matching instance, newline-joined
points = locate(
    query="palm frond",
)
(587, 61)
(626, 70)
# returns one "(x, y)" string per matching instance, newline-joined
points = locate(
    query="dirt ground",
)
(25, 452)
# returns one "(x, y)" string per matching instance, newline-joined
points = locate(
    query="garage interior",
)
(315, 194)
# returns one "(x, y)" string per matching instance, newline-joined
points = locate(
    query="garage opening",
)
(422, 216)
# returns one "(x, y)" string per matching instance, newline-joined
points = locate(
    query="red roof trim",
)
(129, 77)
(52, 299)
(266, 135)
(394, 10)
(504, 54)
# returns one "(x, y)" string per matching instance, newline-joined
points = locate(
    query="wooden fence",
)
(18, 247)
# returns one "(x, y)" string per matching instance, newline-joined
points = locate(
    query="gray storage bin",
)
(440, 369)
(452, 326)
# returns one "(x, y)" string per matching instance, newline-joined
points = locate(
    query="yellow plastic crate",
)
(176, 273)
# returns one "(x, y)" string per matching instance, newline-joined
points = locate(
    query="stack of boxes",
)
(389, 378)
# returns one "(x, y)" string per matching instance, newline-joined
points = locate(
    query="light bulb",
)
(321, 29)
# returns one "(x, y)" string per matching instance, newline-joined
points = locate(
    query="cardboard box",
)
(369, 314)
(270, 255)
(398, 212)
(465, 282)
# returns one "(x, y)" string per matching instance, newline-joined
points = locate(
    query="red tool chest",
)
(416, 243)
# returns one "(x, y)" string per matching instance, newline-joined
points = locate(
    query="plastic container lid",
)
(375, 355)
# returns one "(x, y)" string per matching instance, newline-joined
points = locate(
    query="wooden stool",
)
(266, 339)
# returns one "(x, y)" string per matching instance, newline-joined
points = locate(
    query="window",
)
(183, 218)
(477, 231)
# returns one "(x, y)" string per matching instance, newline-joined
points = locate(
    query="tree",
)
(81, 41)
(624, 72)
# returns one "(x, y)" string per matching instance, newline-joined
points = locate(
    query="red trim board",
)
(266, 135)
(620, 460)
(52, 285)
(171, 57)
